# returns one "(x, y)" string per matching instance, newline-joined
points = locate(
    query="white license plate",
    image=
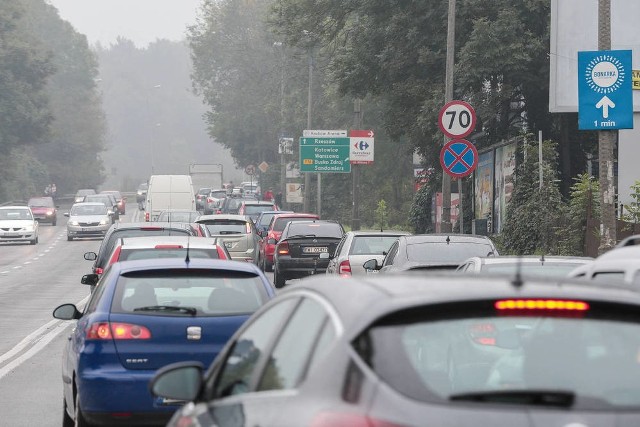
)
(315, 250)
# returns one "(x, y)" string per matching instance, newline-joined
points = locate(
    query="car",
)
(169, 192)
(304, 249)
(264, 218)
(231, 204)
(413, 350)
(177, 215)
(274, 231)
(143, 315)
(87, 219)
(141, 195)
(610, 270)
(213, 201)
(201, 198)
(79, 197)
(109, 201)
(632, 240)
(132, 229)
(542, 265)
(253, 208)
(621, 252)
(44, 209)
(121, 201)
(432, 252)
(17, 224)
(356, 247)
(238, 233)
(250, 189)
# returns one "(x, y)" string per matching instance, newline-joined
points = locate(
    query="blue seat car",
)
(142, 316)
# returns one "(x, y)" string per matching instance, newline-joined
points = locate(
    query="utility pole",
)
(282, 148)
(445, 224)
(355, 171)
(307, 176)
(606, 142)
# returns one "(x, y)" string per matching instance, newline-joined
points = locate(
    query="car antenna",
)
(542, 260)
(517, 280)
(448, 240)
(186, 258)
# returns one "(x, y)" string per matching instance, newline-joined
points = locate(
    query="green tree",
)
(584, 198)
(632, 210)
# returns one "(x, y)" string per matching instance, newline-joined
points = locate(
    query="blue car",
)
(142, 316)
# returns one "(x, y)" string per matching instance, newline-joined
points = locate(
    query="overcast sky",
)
(142, 21)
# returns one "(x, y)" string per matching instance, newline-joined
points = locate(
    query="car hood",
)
(90, 218)
(16, 223)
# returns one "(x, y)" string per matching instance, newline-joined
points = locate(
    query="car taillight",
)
(147, 216)
(483, 333)
(117, 331)
(332, 419)
(344, 269)
(221, 253)
(282, 248)
(209, 200)
(116, 255)
(99, 270)
(541, 304)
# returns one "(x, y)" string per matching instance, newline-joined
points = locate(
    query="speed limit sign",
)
(457, 119)
(250, 170)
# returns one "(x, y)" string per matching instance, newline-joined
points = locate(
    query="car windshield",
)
(189, 292)
(88, 210)
(443, 252)
(538, 269)
(204, 191)
(256, 209)
(168, 252)
(227, 227)
(15, 214)
(371, 245)
(281, 223)
(318, 229)
(482, 358)
(189, 216)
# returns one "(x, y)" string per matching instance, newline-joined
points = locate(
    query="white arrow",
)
(605, 103)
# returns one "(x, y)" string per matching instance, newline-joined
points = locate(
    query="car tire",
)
(69, 238)
(278, 279)
(34, 241)
(268, 266)
(54, 223)
(67, 421)
(80, 421)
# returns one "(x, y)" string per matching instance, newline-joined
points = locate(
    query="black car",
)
(304, 249)
(411, 350)
(132, 229)
(432, 252)
(231, 204)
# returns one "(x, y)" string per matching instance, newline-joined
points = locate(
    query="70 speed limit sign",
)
(457, 119)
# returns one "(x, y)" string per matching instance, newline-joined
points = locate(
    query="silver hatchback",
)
(238, 233)
(87, 219)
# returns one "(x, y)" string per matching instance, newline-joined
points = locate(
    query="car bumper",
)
(17, 236)
(294, 268)
(79, 231)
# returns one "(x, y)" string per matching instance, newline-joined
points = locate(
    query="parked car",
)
(304, 249)
(544, 265)
(79, 197)
(356, 247)
(17, 224)
(44, 209)
(109, 201)
(432, 252)
(121, 201)
(177, 215)
(238, 233)
(411, 350)
(264, 219)
(253, 208)
(201, 198)
(132, 229)
(87, 219)
(144, 315)
(274, 231)
(213, 201)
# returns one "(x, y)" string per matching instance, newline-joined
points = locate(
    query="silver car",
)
(238, 233)
(17, 224)
(357, 247)
(87, 219)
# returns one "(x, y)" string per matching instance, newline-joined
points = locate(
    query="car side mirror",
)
(90, 279)
(66, 214)
(90, 256)
(371, 264)
(66, 312)
(179, 381)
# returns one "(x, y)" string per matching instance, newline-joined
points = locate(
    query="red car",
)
(273, 233)
(44, 209)
(122, 201)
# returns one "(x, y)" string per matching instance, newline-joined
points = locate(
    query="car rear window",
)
(223, 227)
(323, 229)
(179, 292)
(563, 354)
(218, 194)
(443, 252)
(371, 245)
(159, 253)
(107, 247)
(256, 209)
(281, 223)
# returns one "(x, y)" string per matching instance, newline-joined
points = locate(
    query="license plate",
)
(314, 250)
(86, 229)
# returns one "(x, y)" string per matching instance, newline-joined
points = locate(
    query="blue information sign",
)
(605, 98)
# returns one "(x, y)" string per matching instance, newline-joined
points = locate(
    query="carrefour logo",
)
(361, 145)
(604, 74)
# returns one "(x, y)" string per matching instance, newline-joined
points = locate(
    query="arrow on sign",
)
(605, 103)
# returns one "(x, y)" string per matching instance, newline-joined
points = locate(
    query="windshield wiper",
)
(556, 398)
(300, 236)
(187, 310)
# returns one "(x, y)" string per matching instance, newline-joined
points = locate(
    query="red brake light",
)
(541, 304)
(116, 255)
(169, 246)
(209, 200)
(221, 252)
(344, 269)
(99, 270)
(282, 248)
(330, 419)
(146, 216)
(117, 331)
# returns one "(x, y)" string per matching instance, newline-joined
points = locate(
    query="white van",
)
(168, 192)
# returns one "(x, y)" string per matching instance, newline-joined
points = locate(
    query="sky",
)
(142, 21)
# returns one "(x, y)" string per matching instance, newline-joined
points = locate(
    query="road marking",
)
(17, 266)
(47, 250)
(4, 272)
(27, 262)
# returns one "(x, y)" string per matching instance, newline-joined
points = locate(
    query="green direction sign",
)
(324, 155)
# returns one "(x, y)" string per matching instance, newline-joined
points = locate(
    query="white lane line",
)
(27, 262)
(36, 258)
(17, 267)
(4, 272)
(47, 250)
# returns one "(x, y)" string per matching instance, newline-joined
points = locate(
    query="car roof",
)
(442, 237)
(295, 215)
(360, 299)
(152, 241)
(378, 233)
(203, 218)
(137, 225)
(530, 259)
(15, 207)
(180, 263)
(627, 252)
(88, 204)
(258, 202)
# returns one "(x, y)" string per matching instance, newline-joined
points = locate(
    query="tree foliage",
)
(584, 199)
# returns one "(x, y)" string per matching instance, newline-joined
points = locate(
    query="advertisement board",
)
(505, 169)
(483, 186)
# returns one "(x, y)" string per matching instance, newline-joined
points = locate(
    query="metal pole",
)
(307, 176)
(355, 171)
(319, 193)
(606, 142)
(445, 224)
(540, 158)
(460, 213)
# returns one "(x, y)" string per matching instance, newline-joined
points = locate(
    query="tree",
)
(632, 210)
(584, 199)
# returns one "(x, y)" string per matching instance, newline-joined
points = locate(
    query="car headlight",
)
(103, 222)
(29, 228)
(73, 222)
(49, 213)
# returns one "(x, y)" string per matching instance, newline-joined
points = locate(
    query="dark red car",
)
(272, 235)
(121, 200)
(44, 209)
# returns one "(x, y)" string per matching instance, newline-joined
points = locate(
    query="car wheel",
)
(80, 421)
(67, 421)
(268, 266)
(54, 222)
(34, 241)
(278, 279)
(69, 238)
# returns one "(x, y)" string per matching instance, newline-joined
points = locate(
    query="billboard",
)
(505, 170)
(483, 186)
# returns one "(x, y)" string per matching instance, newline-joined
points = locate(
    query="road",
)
(33, 281)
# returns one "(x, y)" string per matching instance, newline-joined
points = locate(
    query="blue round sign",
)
(459, 158)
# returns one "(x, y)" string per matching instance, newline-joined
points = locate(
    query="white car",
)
(17, 224)
(88, 219)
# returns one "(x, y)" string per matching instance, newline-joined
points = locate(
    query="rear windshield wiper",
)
(187, 310)
(556, 398)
